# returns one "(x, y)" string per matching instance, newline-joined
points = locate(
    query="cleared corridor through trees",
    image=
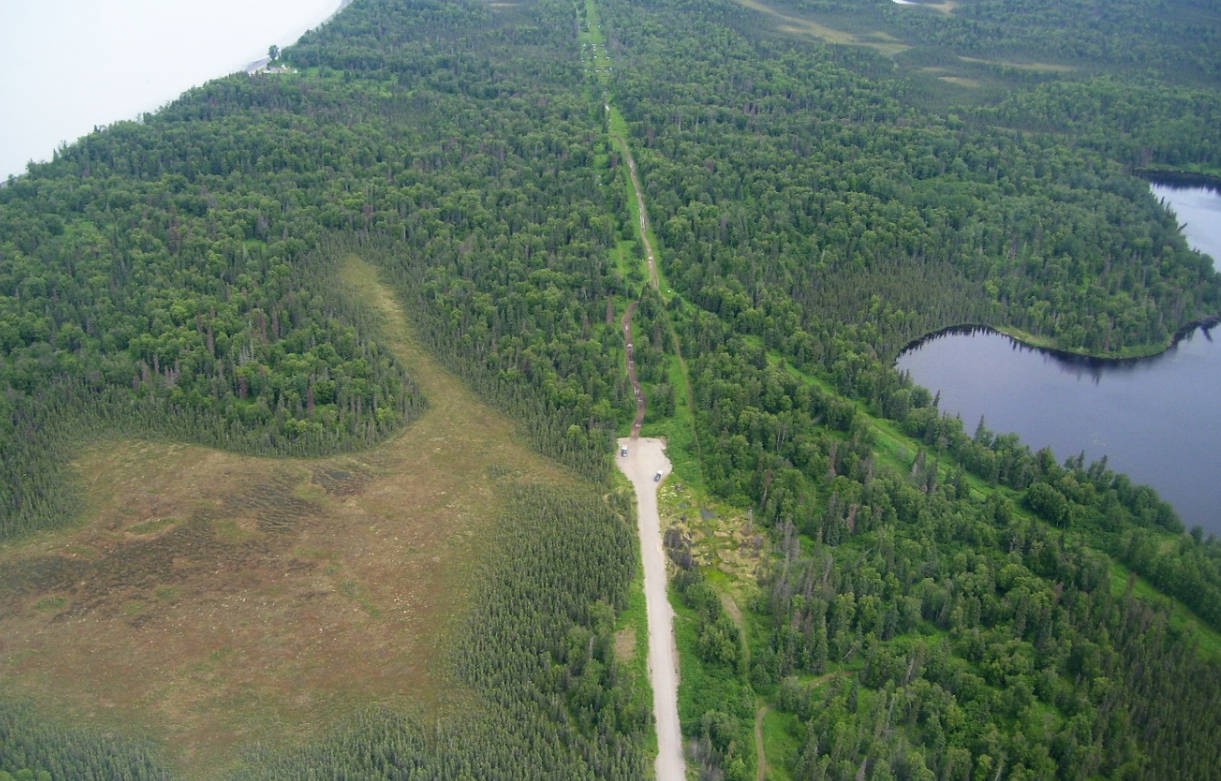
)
(644, 463)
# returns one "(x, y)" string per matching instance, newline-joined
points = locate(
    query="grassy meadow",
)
(210, 600)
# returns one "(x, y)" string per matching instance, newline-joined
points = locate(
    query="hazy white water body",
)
(67, 66)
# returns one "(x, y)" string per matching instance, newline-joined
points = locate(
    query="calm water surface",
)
(1159, 420)
(68, 65)
(1199, 213)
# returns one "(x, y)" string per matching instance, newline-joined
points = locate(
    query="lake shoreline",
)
(1034, 342)
(1128, 356)
(127, 60)
(1155, 416)
(255, 67)
(1171, 177)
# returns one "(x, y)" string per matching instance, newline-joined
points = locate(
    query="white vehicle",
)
(623, 452)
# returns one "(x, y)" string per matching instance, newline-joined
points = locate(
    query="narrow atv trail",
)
(761, 769)
(642, 212)
(626, 322)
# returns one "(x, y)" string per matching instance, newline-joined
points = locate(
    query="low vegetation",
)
(213, 598)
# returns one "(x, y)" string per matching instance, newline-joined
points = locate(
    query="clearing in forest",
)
(210, 600)
(1034, 67)
(883, 42)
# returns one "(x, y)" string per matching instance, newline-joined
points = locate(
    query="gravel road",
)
(645, 458)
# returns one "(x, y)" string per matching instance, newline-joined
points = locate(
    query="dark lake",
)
(1157, 419)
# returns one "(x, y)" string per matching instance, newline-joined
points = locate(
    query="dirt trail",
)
(761, 773)
(645, 460)
(735, 614)
(643, 216)
(631, 369)
(643, 213)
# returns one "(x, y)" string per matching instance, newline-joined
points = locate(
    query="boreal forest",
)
(310, 384)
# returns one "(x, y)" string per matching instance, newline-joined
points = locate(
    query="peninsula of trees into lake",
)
(311, 382)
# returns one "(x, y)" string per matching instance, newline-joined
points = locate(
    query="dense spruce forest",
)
(827, 181)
